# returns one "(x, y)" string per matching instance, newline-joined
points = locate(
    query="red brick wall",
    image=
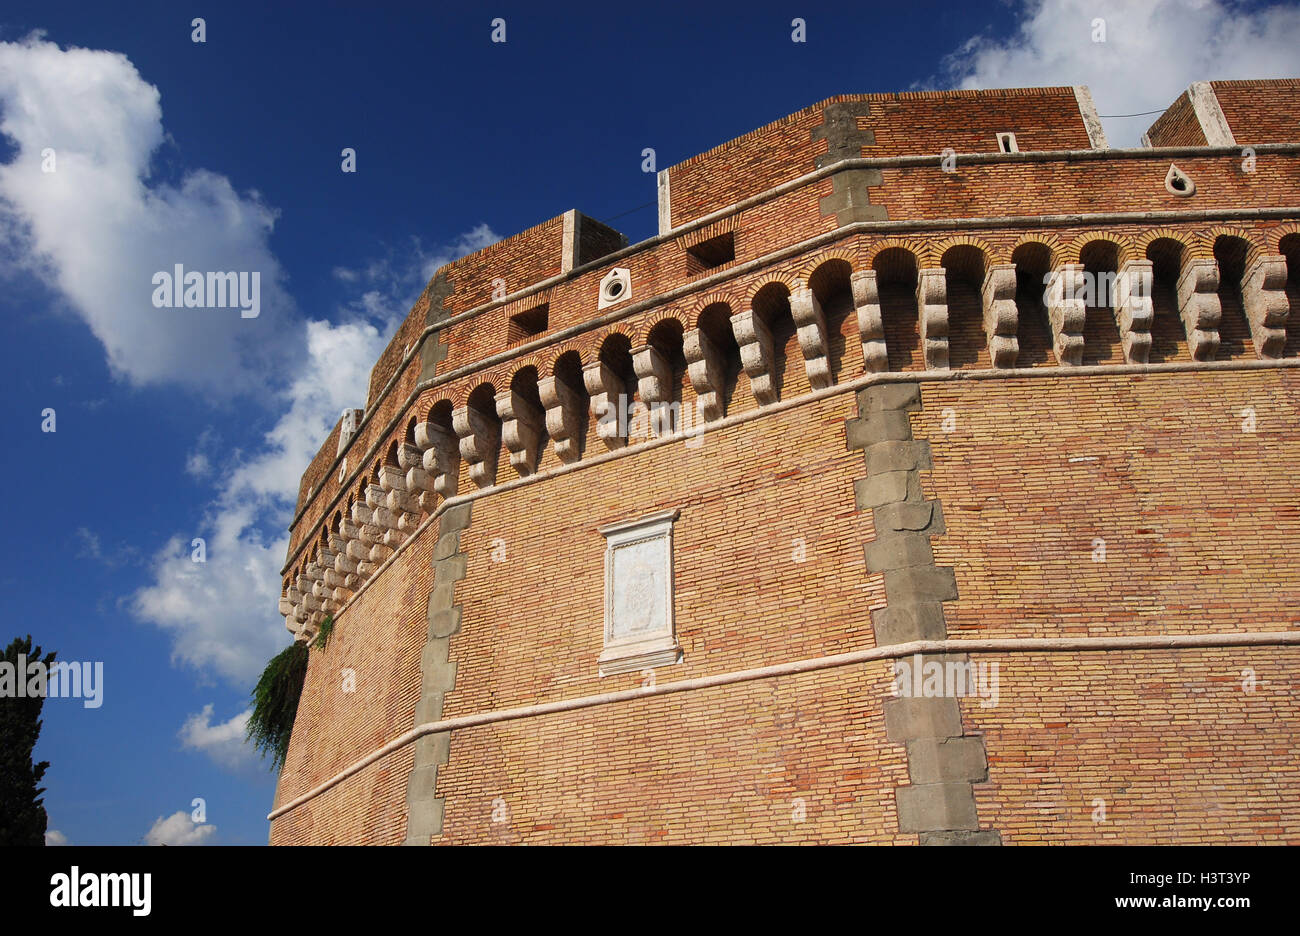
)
(1177, 126)
(1197, 519)
(1261, 111)
(379, 638)
(906, 124)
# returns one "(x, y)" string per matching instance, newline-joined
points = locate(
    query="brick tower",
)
(930, 477)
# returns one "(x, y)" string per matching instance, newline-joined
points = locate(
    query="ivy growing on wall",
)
(275, 702)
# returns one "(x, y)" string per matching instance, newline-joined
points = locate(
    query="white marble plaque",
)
(639, 594)
(638, 608)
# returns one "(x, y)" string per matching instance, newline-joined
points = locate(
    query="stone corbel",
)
(441, 460)
(810, 321)
(563, 406)
(871, 321)
(1199, 307)
(380, 514)
(606, 391)
(1263, 295)
(756, 354)
(932, 310)
(393, 538)
(1134, 312)
(480, 444)
(654, 374)
(707, 370)
(521, 428)
(398, 498)
(1066, 313)
(1001, 317)
(409, 456)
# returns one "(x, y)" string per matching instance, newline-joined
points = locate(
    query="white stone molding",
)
(441, 459)
(1263, 296)
(871, 321)
(480, 444)
(615, 287)
(522, 426)
(708, 373)
(1134, 312)
(932, 310)
(1199, 307)
(1066, 313)
(1001, 317)
(563, 406)
(810, 321)
(756, 354)
(606, 390)
(654, 374)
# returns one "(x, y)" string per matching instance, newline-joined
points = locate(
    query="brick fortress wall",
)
(818, 520)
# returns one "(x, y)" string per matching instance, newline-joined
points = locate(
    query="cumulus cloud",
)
(1153, 51)
(179, 829)
(99, 226)
(224, 742)
(96, 230)
(221, 613)
(55, 837)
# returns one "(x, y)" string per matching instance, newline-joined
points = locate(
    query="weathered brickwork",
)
(827, 507)
(1259, 111)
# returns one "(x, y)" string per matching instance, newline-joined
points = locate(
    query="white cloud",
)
(55, 837)
(197, 465)
(98, 227)
(179, 829)
(96, 230)
(224, 742)
(1153, 51)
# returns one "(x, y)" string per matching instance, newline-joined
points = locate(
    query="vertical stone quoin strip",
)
(437, 678)
(434, 350)
(942, 762)
(849, 200)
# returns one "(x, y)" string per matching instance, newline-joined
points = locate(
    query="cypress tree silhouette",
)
(22, 810)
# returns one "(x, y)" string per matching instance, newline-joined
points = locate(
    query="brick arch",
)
(596, 340)
(912, 245)
(934, 251)
(548, 356)
(785, 276)
(653, 319)
(1255, 247)
(499, 377)
(427, 401)
(1123, 247)
(786, 279)
(1275, 236)
(536, 360)
(1192, 247)
(701, 302)
(460, 393)
(810, 266)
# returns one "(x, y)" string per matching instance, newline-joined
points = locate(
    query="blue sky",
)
(181, 423)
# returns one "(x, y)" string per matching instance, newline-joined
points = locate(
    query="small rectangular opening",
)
(713, 252)
(527, 324)
(1007, 143)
